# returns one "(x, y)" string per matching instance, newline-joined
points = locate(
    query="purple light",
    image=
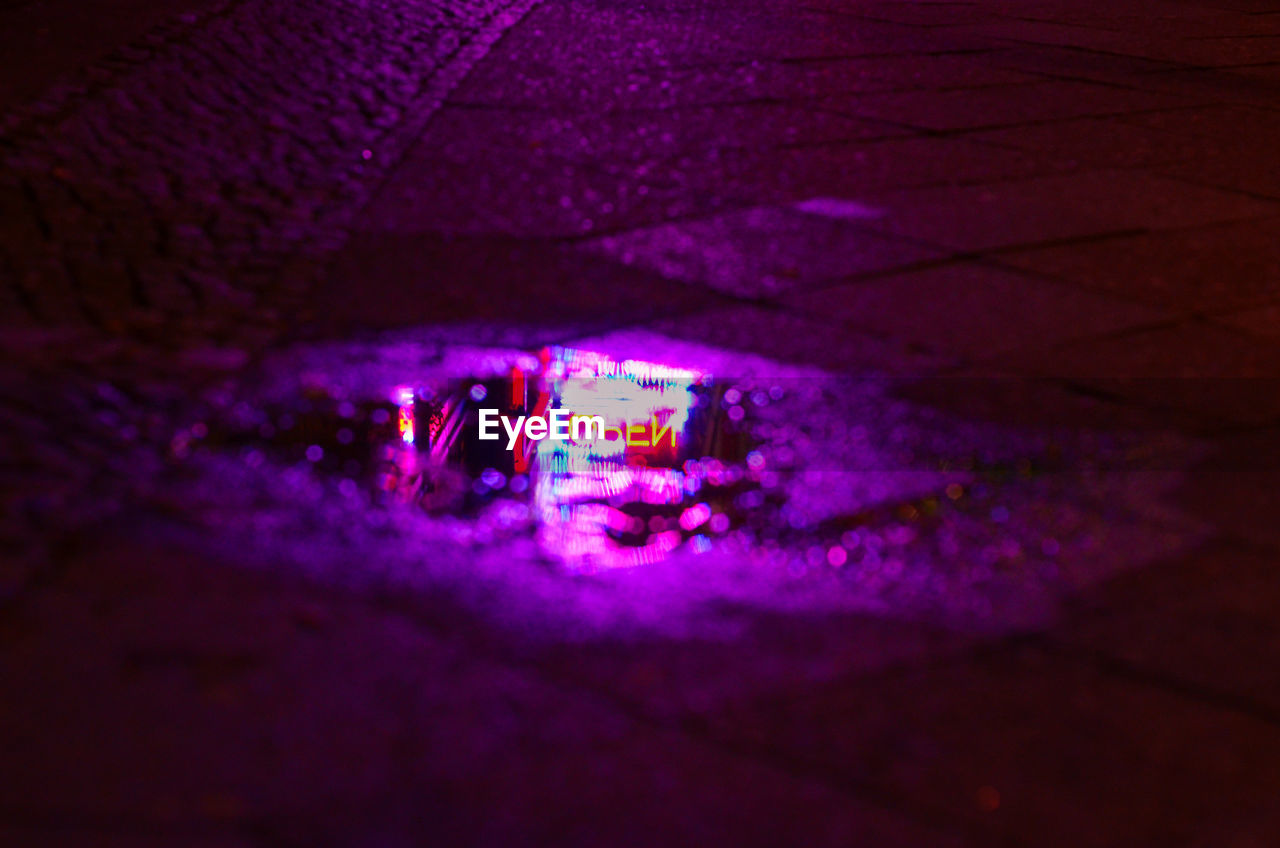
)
(572, 478)
(659, 477)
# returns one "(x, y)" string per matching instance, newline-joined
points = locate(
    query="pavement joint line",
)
(1266, 37)
(1057, 22)
(1136, 673)
(1192, 423)
(1223, 187)
(1077, 48)
(1036, 122)
(1067, 241)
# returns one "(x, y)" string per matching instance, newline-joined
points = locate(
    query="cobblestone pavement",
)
(167, 206)
(988, 220)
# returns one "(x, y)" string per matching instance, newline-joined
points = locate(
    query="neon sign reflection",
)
(663, 476)
(602, 503)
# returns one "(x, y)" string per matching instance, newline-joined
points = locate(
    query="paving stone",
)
(763, 251)
(1073, 64)
(883, 73)
(982, 739)
(693, 680)
(1220, 267)
(1220, 121)
(1002, 106)
(795, 339)
(386, 281)
(1262, 321)
(1234, 484)
(1207, 52)
(630, 37)
(1220, 376)
(971, 310)
(1236, 167)
(629, 136)
(545, 88)
(911, 14)
(808, 34)
(1201, 621)
(1097, 142)
(541, 196)
(1222, 87)
(982, 392)
(739, 55)
(1025, 212)
(853, 171)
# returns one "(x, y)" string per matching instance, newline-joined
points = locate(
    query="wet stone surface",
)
(927, 610)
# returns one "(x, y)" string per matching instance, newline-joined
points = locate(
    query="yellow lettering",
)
(658, 430)
(635, 428)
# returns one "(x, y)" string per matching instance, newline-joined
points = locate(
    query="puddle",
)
(743, 482)
(675, 466)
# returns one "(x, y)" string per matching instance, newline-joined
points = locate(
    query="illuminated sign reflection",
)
(664, 474)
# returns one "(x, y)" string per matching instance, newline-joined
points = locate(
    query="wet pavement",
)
(948, 336)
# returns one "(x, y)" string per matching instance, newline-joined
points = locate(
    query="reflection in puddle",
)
(780, 487)
(675, 466)
(665, 473)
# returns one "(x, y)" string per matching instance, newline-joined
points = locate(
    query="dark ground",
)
(1056, 212)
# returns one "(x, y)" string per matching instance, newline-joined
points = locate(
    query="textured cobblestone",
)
(175, 179)
(165, 209)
